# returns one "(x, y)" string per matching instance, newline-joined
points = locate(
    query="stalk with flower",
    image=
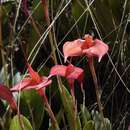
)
(90, 48)
(34, 81)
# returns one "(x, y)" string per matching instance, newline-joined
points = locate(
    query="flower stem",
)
(74, 107)
(83, 92)
(45, 100)
(97, 89)
(71, 85)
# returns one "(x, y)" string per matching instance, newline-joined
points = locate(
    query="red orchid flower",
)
(6, 94)
(88, 47)
(70, 72)
(34, 81)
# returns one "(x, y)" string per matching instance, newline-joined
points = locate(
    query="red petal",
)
(77, 74)
(6, 94)
(72, 48)
(27, 84)
(21, 85)
(69, 70)
(99, 49)
(44, 83)
(34, 75)
(59, 70)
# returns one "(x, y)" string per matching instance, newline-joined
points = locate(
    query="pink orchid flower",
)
(88, 47)
(70, 72)
(34, 81)
(6, 94)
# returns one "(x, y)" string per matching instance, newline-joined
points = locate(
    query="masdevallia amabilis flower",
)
(87, 46)
(70, 72)
(39, 83)
(33, 81)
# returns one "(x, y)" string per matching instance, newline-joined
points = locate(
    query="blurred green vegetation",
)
(24, 37)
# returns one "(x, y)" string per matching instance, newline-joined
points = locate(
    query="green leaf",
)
(85, 115)
(98, 121)
(69, 109)
(16, 125)
(31, 104)
(79, 127)
(89, 125)
(68, 105)
(108, 124)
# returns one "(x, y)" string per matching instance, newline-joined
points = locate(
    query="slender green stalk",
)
(74, 107)
(83, 92)
(97, 89)
(45, 100)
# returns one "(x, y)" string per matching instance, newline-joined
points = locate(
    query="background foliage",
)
(70, 19)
